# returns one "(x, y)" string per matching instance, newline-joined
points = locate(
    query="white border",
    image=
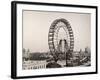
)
(21, 72)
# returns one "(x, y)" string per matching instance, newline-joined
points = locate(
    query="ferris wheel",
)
(60, 32)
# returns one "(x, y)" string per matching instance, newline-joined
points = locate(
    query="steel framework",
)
(53, 41)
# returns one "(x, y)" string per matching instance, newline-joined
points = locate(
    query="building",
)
(26, 54)
(27, 65)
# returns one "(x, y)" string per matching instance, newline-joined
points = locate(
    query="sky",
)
(36, 26)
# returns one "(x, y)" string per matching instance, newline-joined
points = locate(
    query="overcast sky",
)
(36, 26)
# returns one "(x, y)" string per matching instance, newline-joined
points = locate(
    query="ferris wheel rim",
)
(51, 34)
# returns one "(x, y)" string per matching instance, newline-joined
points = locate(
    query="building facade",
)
(28, 65)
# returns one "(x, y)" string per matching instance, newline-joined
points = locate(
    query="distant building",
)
(82, 57)
(87, 51)
(26, 54)
(27, 65)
